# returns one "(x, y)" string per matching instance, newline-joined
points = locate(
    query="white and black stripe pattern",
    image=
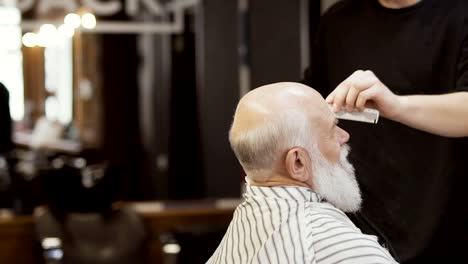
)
(293, 225)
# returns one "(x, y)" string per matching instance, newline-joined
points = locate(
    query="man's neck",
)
(396, 4)
(278, 181)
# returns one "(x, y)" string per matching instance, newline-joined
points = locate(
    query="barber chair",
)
(80, 226)
(92, 238)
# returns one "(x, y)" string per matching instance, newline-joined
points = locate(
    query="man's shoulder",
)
(341, 14)
(325, 210)
(456, 4)
(450, 14)
(461, 7)
(333, 233)
(342, 7)
(446, 7)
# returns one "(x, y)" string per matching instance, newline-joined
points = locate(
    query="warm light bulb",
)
(73, 20)
(88, 21)
(47, 35)
(30, 40)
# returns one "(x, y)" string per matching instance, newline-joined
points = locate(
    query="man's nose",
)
(343, 136)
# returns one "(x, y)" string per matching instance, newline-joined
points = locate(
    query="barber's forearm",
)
(444, 115)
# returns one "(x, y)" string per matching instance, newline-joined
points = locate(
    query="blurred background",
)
(115, 117)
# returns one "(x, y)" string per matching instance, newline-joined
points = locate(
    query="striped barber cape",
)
(294, 225)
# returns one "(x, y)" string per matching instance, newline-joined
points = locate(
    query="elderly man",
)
(299, 184)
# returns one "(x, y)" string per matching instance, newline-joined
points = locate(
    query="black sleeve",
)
(5, 120)
(462, 67)
(316, 75)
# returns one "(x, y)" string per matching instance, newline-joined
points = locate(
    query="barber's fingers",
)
(351, 98)
(346, 92)
(341, 87)
(365, 97)
(339, 95)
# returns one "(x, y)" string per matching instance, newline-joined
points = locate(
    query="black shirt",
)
(412, 182)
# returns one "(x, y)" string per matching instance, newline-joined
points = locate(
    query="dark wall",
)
(155, 113)
(195, 93)
(170, 116)
(314, 20)
(186, 179)
(120, 109)
(218, 91)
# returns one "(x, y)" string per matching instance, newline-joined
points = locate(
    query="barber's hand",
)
(363, 89)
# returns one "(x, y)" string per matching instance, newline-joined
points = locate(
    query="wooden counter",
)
(18, 241)
(18, 244)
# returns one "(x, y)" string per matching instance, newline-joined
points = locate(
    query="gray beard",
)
(337, 183)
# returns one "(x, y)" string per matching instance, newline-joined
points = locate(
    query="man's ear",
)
(297, 164)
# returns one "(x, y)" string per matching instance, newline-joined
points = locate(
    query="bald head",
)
(264, 103)
(272, 119)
